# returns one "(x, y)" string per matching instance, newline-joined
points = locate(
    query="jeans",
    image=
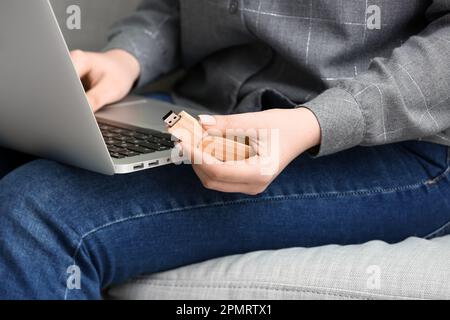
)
(68, 234)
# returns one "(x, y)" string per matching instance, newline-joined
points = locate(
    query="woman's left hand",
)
(278, 136)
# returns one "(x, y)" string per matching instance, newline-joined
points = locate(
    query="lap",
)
(385, 176)
(387, 193)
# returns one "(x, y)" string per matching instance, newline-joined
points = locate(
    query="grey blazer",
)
(374, 72)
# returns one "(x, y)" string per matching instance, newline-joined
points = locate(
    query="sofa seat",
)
(413, 269)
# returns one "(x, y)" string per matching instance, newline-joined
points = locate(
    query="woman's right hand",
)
(107, 77)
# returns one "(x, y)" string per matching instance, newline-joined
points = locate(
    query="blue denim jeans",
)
(54, 218)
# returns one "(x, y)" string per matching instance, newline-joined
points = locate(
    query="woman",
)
(328, 77)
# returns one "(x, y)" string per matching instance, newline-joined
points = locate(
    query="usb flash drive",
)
(185, 127)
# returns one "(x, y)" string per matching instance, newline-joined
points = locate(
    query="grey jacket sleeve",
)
(151, 34)
(404, 97)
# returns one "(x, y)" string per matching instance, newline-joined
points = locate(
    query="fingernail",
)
(207, 120)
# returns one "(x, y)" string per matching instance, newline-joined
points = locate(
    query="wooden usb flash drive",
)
(182, 124)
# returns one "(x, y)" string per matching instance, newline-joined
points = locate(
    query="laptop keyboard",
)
(124, 142)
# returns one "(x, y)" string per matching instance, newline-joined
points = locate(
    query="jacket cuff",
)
(341, 121)
(127, 42)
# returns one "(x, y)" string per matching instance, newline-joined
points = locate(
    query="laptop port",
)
(139, 166)
(153, 164)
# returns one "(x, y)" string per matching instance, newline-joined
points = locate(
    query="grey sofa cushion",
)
(413, 269)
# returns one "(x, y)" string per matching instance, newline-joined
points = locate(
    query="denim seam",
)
(438, 231)
(439, 178)
(432, 182)
(444, 174)
(343, 293)
(292, 197)
(446, 226)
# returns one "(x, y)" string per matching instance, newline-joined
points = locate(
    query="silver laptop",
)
(44, 110)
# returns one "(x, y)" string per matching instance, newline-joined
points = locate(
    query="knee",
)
(29, 186)
(29, 206)
(36, 238)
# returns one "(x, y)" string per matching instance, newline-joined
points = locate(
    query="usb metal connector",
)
(171, 119)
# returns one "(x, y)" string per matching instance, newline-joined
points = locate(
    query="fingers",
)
(107, 77)
(220, 186)
(233, 122)
(241, 128)
(251, 188)
(196, 155)
(232, 171)
(97, 94)
(82, 62)
(101, 94)
(244, 176)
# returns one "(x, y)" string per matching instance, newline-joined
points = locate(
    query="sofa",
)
(413, 269)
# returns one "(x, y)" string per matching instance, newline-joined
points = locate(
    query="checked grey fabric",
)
(373, 71)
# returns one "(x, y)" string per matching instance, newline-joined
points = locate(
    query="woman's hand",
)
(107, 77)
(278, 136)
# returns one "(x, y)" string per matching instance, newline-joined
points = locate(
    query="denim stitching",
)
(446, 227)
(243, 201)
(439, 178)
(444, 174)
(292, 197)
(439, 232)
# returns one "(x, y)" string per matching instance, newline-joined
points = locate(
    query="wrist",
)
(128, 61)
(309, 131)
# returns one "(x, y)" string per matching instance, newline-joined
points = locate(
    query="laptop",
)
(44, 110)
